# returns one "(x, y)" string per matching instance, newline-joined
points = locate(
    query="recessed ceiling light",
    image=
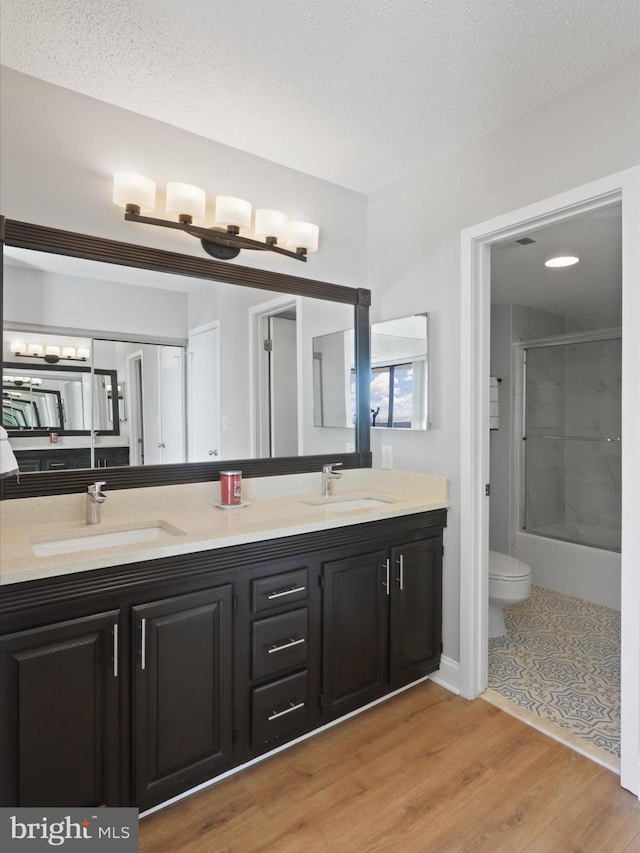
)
(564, 261)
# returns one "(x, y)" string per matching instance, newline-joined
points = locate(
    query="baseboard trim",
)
(448, 676)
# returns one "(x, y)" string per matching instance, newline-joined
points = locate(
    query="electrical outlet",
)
(387, 456)
(351, 448)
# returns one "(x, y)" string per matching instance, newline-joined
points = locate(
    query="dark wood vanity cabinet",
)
(182, 731)
(132, 684)
(60, 458)
(60, 717)
(415, 601)
(382, 622)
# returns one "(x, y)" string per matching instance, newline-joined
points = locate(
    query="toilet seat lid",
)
(505, 566)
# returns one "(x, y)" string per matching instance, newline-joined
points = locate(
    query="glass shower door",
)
(572, 417)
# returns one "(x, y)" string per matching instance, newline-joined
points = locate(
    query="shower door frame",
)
(475, 293)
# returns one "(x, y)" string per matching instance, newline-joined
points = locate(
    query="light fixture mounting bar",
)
(216, 241)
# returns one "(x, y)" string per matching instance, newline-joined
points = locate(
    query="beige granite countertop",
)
(276, 507)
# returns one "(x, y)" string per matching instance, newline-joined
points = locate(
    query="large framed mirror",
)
(203, 364)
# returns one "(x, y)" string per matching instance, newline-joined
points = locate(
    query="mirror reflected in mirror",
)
(399, 375)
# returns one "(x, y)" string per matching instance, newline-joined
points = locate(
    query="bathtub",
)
(589, 572)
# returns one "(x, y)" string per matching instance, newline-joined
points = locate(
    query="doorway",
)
(474, 460)
(275, 378)
(555, 474)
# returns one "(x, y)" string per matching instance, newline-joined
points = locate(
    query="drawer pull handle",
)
(292, 707)
(286, 645)
(400, 564)
(286, 592)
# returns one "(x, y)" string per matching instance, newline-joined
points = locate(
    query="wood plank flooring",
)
(425, 771)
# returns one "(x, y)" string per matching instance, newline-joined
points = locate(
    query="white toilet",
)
(509, 582)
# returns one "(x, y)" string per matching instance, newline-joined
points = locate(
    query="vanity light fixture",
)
(271, 231)
(51, 353)
(561, 261)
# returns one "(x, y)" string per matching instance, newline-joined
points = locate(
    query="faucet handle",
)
(96, 488)
(328, 469)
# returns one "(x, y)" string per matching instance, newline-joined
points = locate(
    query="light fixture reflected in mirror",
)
(223, 241)
(50, 353)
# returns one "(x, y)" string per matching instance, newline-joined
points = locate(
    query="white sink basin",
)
(346, 503)
(80, 540)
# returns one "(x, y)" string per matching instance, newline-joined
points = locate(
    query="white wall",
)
(582, 135)
(34, 298)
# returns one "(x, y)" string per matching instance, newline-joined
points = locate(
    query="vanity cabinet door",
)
(355, 629)
(182, 692)
(60, 714)
(416, 612)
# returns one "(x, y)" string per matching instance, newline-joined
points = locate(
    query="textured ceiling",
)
(359, 93)
(592, 286)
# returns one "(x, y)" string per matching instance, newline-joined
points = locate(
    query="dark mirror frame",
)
(43, 239)
(44, 431)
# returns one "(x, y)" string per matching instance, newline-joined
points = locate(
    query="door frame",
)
(475, 295)
(135, 404)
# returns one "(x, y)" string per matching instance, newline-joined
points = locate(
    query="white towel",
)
(494, 403)
(8, 463)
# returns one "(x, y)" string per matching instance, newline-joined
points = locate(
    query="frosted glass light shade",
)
(303, 235)
(68, 352)
(18, 348)
(83, 352)
(186, 199)
(52, 350)
(271, 223)
(134, 189)
(35, 349)
(233, 211)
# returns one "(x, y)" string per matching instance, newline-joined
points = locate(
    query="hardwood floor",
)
(425, 771)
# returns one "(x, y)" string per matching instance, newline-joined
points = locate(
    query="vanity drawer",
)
(277, 590)
(279, 710)
(279, 643)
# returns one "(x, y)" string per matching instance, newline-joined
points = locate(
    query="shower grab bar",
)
(575, 437)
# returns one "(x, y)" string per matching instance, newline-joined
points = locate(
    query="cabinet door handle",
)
(115, 649)
(292, 707)
(286, 645)
(143, 644)
(400, 564)
(386, 583)
(286, 592)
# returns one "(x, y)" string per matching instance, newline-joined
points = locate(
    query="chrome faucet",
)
(328, 474)
(95, 497)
